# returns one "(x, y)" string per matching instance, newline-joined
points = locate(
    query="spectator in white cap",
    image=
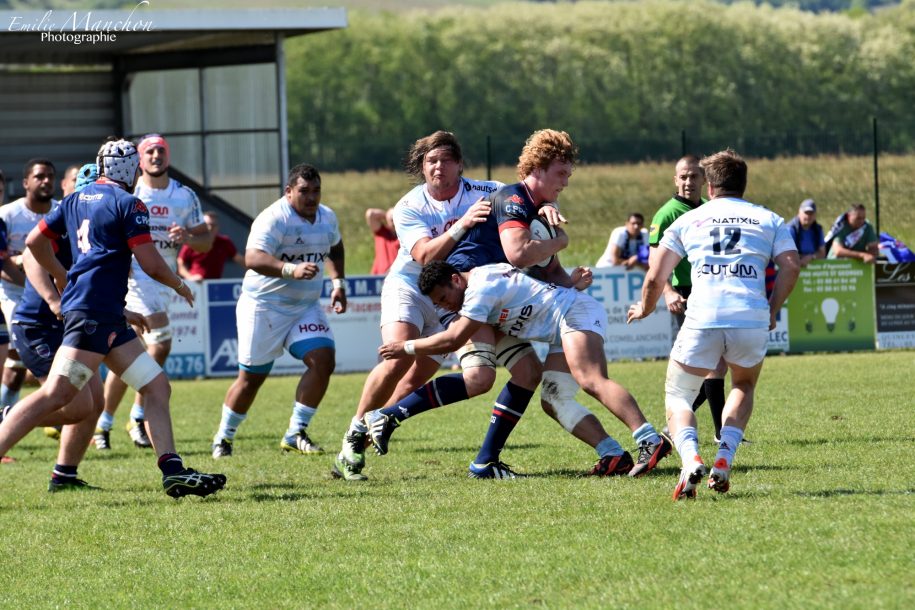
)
(807, 233)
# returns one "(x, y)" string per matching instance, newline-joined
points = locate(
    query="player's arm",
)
(11, 271)
(41, 281)
(333, 268)
(789, 268)
(41, 246)
(269, 265)
(663, 262)
(522, 251)
(456, 335)
(199, 238)
(437, 248)
(154, 265)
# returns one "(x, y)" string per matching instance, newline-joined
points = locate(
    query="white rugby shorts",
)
(703, 348)
(403, 302)
(264, 333)
(147, 296)
(584, 314)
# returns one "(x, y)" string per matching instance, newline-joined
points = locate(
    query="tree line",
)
(626, 77)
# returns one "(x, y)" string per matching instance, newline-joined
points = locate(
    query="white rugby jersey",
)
(728, 242)
(20, 221)
(281, 232)
(176, 204)
(418, 215)
(503, 296)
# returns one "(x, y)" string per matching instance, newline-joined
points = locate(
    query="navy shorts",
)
(37, 345)
(96, 331)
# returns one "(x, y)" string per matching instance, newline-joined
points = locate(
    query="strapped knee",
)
(510, 350)
(143, 370)
(476, 354)
(559, 389)
(76, 372)
(14, 364)
(681, 388)
(158, 335)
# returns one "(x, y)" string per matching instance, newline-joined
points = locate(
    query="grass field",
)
(820, 512)
(599, 197)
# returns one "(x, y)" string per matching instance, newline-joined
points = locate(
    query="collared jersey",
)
(728, 242)
(512, 206)
(176, 204)
(675, 207)
(32, 309)
(103, 222)
(282, 233)
(20, 221)
(418, 215)
(504, 297)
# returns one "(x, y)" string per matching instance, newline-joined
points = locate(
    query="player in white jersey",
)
(21, 216)
(503, 297)
(290, 245)
(728, 242)
(429, 221)
(175, 218)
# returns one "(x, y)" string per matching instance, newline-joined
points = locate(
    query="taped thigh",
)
(681, 388)
(510, 350)
(158, 335)
(559, 389)
(14, 364)
(76, 372)
(141, 371)
(476, 354)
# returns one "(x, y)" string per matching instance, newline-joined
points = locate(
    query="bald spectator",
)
(853, 236)
(807, 233)
(197, 266)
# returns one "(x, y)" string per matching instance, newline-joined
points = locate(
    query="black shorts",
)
(37, 345)
(97, 332)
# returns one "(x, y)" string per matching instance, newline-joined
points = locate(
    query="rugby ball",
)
(541, 229)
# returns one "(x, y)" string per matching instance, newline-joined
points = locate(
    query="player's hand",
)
(636, 312)
(551, 214)
(476, 214)
(392, 350)
(582, 278)
(772, 316)
(178, 235)
(137, 320)
(563, 237)
(305, 271)
(338, 300)
(185, 292)
(676, 304)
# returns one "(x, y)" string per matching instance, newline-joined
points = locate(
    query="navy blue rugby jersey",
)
(512, 206)
(103, 223)
(32, 309)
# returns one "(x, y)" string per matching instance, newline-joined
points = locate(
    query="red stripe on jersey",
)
(513, 224)
(139, 240)
(47, 232)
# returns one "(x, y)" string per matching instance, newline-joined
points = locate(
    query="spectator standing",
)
(628, 245)
(807, 233)
(68, 182)
(852, 236)
(197, 266)
(381, 223)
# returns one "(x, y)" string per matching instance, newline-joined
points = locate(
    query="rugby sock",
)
(687, 443)
(609, 447)
(229, 424)
(62, 472)
(730, 440)
(136, 412)
(8, 396)
(714, 392)
(357, 425)
(440, 391)
(301, 417)
(170, 463)
(4, 411)
(646, 434)
(700, 398)
(106, 421)
(509, 408)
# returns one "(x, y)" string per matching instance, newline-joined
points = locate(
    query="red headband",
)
(153, 140)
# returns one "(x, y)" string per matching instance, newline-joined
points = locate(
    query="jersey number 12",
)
(732, 234)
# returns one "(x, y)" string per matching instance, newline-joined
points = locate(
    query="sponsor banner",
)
(187, 358)
(832, 307)
(616, 288)
(894, 287)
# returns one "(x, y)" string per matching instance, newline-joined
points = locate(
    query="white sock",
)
(687, 443)
(229, 424)
(730, 441)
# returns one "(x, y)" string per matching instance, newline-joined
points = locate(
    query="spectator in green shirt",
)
(689, 179)
(853, 237)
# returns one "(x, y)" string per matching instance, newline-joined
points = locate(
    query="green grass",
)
(599, 197)
(820, 512)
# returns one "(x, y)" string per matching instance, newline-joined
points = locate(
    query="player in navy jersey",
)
(545, 165)
(105, 225)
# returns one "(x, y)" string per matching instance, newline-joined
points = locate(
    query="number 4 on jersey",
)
(82, 237)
